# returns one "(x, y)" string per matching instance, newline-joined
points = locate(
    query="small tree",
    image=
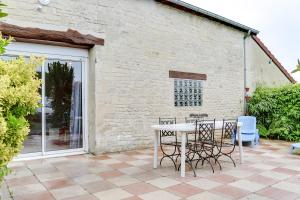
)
(19, 97)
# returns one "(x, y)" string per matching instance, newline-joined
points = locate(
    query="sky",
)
(277, 20)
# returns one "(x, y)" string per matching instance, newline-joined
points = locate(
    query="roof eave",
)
(199, 11)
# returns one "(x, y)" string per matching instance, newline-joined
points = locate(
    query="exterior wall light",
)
(44, 2)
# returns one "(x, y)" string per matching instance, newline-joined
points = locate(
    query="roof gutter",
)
(248, 34)
(199, 11)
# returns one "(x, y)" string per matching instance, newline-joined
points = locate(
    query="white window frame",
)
(62, 53)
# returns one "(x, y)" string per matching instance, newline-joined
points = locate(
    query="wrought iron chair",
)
(227, 142)
(204, 145)
(191, 138)
(168, 141)
(192, 120)
(201, 144)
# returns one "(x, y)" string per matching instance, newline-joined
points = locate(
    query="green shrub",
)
(19, 97)
(277, 111)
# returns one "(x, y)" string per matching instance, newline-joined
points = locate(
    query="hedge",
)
(277, 111)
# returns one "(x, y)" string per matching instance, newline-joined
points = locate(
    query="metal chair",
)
(204, 142)
(191, 138)
(226, 144)
(168, 139)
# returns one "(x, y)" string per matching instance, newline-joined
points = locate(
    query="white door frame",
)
(62, 53)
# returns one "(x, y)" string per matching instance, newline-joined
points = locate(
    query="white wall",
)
(261, 70)
(129, 76)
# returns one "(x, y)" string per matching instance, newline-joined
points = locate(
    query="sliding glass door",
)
(58, 125)
(63, 105)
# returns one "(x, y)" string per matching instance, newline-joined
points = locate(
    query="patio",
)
(269, 172)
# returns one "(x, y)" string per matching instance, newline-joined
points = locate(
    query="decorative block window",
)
(187, 92)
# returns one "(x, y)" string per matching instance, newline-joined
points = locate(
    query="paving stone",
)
(67, 192)
(160, 194)
(113, 194)
(204, 184)
(248, 185)
(163, 182)
(207, 196)
(123, 180)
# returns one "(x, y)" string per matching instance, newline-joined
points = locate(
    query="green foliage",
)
(2, 14)
(3, 44)
(19, 97)
(297, 68)
(262, 130)
(277, 111)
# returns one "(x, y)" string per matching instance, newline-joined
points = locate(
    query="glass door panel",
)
(63, 105)
(33, 141)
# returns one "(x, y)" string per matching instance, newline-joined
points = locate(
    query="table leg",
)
(155, 157)
(183, 141)
(240, 144)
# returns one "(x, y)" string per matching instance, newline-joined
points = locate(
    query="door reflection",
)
(63, 105)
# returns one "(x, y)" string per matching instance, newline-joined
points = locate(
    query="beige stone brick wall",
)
(144, 40)
(129, 85)
(261, 70)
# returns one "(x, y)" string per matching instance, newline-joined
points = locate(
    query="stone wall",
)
(143, 41)
(129, 84)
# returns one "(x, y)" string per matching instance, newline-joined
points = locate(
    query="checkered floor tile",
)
(269, 172)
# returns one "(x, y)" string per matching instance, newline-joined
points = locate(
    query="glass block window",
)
(187, 92)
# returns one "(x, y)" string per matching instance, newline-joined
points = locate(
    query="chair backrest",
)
(164, 121)
(249, 124)
(229, 132)
(205, 130)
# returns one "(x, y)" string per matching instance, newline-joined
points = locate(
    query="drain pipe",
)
(245, 70)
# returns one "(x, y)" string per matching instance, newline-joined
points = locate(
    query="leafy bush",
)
(19, 97)
(277, 111)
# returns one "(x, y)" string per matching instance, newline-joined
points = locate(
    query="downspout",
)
(245, 69)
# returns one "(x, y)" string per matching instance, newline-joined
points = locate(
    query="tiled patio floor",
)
(269, 172)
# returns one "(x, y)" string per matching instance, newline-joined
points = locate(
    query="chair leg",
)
(177, 157)
(216, 161)
(170, 156)
(208, 161)
(229, 156)
(166, 156)
(191, 165)
(257, 139)
(253, 143)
